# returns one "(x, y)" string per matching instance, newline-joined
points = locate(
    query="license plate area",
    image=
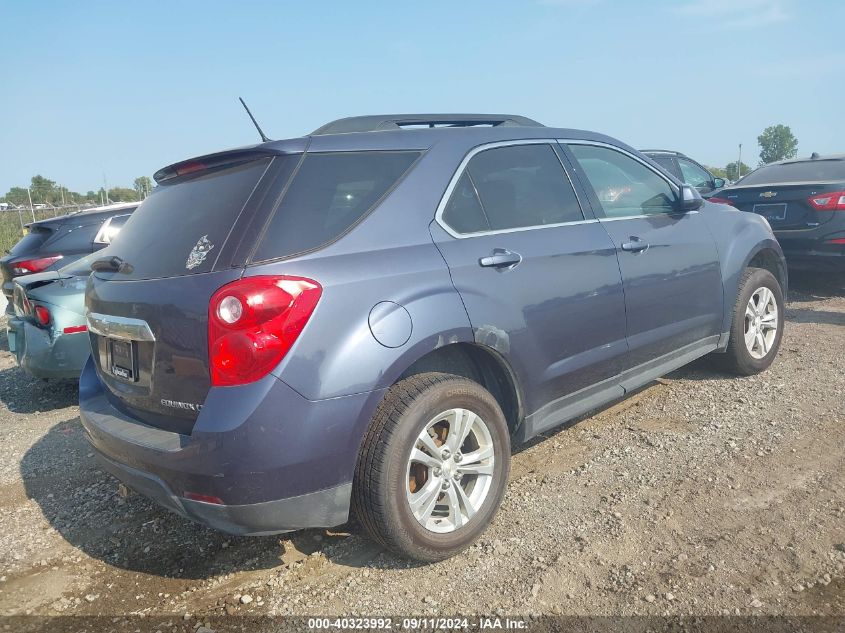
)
(123, 356)
(771, 211)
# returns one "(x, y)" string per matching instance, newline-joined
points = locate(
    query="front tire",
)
(757, 326)
(433, 466)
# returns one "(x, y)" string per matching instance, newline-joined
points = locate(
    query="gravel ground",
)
(702, 494)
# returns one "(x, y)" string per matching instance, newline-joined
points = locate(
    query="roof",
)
(670, 152)
(808, 159)
(382, 122)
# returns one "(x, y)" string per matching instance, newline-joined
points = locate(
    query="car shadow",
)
(814, 286)
(93, 512)
(22, 393)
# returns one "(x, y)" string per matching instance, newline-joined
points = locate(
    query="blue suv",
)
(367, 318)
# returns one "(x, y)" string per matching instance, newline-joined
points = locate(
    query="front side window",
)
(624, 186)
(511, 187)
(695, 175)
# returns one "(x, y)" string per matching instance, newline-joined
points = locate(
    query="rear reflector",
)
(253, 323)
(42, 315)
(832, 201)
(75, 329)
(718, 200)
(195, 496)
(29, 266)
(838, 240)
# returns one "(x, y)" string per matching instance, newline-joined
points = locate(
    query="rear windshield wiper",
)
(113, 264)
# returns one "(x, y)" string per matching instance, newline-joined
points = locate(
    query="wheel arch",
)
(480, 364)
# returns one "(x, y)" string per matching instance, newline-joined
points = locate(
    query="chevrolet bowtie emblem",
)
(768, 194)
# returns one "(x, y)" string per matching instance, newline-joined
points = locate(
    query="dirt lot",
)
(702, 494)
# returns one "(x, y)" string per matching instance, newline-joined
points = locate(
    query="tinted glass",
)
(30, 243)
(667, 163)
(523, 185)
(328, 194)
(624, 186)
(695, 175)
(805, 171)
(464, 213)
(180, 228)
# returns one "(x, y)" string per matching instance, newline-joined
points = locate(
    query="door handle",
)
(636, 245)
(500, 259)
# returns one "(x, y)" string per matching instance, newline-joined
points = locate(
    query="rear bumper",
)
(43, 356)
(275, 460)
(322, 508)
(812, 249)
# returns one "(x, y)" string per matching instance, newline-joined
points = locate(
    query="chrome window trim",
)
(124, 328)
(672, 185)
(459, 172)
(98, 239)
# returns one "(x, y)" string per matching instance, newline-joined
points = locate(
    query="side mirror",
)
(689, 199)
(718, 183)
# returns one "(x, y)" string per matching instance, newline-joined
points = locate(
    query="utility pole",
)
(31, 208)
(739, 163)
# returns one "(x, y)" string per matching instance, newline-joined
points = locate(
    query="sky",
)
(116, 90)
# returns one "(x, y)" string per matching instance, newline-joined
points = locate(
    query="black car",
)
(51, 244)
(686, 170)
(804, 201)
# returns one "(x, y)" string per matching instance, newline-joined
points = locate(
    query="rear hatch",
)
(147, 299)
(782, 192)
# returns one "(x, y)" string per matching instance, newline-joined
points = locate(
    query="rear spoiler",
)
(210, 161)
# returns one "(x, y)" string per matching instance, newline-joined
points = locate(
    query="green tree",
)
(43, 189)
(776, 143)
(17, 195)
(732, 173)
(143, 186)
(718, 172)
(122, 194)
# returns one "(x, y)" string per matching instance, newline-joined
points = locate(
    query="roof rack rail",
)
(378, 122)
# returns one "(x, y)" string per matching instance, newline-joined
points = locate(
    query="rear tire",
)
(433, 466)
(757, 325)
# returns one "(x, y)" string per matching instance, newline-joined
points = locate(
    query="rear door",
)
(539, 279)
(669, 263)
(148, 315)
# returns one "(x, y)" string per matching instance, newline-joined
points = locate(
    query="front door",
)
(669, 262)
(540, 281)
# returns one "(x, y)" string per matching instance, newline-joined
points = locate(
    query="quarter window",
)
(511, 187)
(624, 186)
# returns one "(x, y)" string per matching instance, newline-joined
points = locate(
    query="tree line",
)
(42, 190)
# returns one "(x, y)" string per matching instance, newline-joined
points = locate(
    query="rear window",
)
(330, 193)
(31, 242)
(180, 228)
(805, 171)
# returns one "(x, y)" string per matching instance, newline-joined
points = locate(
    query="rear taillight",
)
(831, 201)
(838, 240)
(42, 315)
(253, 323)
(719, 200)
(29, 266)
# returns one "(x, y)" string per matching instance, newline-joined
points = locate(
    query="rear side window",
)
(180, 228)
(519, 186)
(330, 193)
(667, 163)
(806, 171)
